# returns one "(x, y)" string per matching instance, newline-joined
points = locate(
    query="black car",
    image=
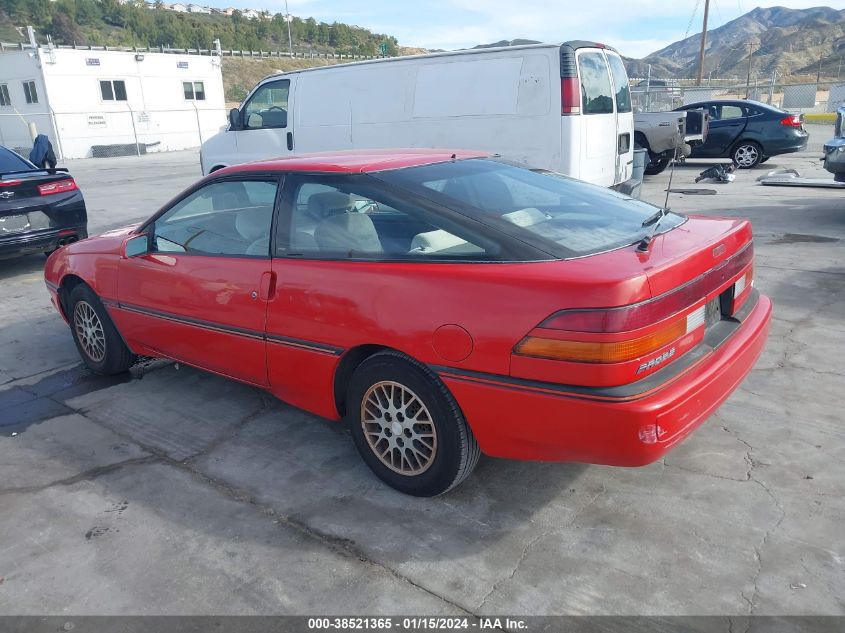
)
(40, 209)
(748, 132)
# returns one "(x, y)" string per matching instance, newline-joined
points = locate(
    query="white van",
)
(562, 107)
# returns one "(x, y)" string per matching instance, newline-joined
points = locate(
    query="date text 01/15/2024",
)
(414, 623)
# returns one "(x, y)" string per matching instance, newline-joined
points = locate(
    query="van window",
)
(620, 80)
(268, 107)
(596, 93)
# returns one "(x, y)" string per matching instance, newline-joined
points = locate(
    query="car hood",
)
(108, 242)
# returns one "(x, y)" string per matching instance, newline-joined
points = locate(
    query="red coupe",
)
(445, 304)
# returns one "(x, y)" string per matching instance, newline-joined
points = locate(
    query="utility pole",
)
(289, 19)
(703, 43)
(750, 61)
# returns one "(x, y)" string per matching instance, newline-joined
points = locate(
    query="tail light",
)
(742, 288)
(570, 95)
(617, 335)
(610, 351)
(793, 120)
(10, 183)
(57, 186)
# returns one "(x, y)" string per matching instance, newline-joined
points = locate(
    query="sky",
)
(634, 27)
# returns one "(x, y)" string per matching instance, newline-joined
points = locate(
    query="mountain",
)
(789, 41)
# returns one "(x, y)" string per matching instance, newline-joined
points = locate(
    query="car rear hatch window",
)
(558, 215)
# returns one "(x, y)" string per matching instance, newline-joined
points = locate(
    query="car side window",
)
(349, 218)
(596, 92)
(268, 107)
(229, 217)
(730, 112)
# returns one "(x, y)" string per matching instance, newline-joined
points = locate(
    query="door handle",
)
(290, 141)
(267, 286)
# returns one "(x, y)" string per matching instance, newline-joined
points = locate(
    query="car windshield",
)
(11, 162)
(562, 216)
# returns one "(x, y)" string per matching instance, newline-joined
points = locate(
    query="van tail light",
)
(570, 95)
(57, 186)
(793, 120)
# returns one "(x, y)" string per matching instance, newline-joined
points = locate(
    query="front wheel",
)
(407, 427)
(97, 340)
(747, 154)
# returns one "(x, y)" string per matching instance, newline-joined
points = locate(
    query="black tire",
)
(454, 451)
(103, 351)
(764, 159)
(656, 166)
(747, 154)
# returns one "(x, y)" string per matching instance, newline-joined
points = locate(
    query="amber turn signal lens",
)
(601, 352)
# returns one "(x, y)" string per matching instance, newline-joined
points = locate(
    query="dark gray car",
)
(749, 132)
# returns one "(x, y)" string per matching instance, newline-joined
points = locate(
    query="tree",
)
(64, 31)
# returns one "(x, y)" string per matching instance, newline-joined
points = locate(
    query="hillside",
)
(789, 41)
(112, 23)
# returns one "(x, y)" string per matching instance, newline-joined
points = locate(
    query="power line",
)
(692, 18)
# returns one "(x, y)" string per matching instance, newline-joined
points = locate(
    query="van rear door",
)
(598, 119)
(624, 118)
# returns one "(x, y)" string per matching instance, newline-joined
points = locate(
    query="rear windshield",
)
(561, 216)
(9, 162)
(596, 93)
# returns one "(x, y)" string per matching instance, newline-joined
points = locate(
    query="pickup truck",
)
(662, 133)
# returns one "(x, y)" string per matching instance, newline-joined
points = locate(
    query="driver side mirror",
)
(235, 119)
(137, 245)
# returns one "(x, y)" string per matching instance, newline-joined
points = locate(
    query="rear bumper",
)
(521, 423)
(39, 241)
(786, 145)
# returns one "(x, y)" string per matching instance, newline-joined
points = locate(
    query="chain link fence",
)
(659, 95)
(111, 133)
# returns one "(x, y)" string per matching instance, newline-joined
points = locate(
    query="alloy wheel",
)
(89, 331)
(398, 428)
(746, 155)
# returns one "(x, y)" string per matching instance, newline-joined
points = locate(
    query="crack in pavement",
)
(91, 473)
(533, 542)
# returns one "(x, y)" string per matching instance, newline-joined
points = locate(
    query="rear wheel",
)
(407, 426)
(747, 154)
(656, 165)
(97, 340)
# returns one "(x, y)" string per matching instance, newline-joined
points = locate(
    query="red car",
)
(445, 304)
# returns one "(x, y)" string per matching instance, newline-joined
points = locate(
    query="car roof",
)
(355, 161)
(739, 102)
